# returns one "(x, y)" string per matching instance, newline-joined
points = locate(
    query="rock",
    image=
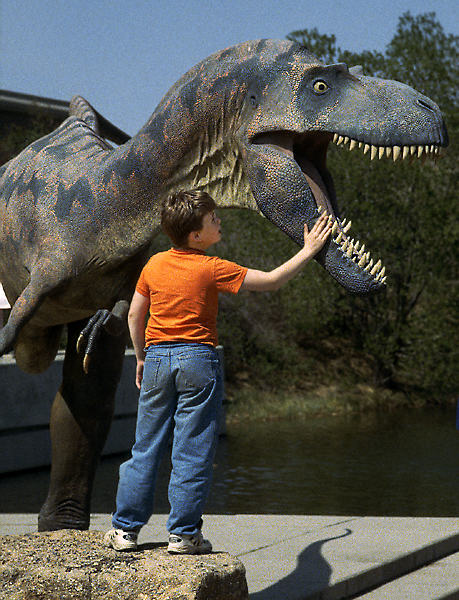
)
(74, 565)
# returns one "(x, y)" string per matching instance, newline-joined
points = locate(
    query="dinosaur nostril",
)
(425, 104)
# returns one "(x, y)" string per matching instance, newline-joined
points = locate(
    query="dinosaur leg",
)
(80, 421)
(22, 310)
(36, 347)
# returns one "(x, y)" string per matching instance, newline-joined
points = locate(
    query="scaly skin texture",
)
(78, 219)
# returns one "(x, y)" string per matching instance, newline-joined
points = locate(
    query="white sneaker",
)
(121, 540)
(188, 544)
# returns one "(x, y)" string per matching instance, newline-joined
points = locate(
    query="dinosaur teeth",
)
(369, 265)
(355, 251)
(394, 152)
(376, 268)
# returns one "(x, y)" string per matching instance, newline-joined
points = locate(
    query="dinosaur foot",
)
(67, 514)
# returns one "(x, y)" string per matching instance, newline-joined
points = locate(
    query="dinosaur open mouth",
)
(309, 152)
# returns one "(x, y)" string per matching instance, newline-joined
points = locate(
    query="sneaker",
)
(121, 540)
(188, 544)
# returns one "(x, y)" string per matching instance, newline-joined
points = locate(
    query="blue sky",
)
(123, 56)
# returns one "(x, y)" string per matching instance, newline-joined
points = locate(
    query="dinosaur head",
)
(295, 108)
(259, 118)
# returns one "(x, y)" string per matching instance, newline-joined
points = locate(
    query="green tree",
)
(408, 215)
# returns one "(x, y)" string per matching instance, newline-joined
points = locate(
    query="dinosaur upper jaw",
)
(308, 190)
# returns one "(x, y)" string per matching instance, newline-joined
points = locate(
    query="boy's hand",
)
(316, 238)
(139, 373)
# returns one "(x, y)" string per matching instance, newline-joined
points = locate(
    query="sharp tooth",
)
(334, 228)
(376, 268)
(412, 150)
(362, 249)
(369, 265)
(432, 149)
(374, 150)
(345, 244)
(348, 226)
(357, 245)
(420, 151)
(406, 150)
(383, 280)
(360, 144)
(382, 272)
(335, 138)
(340, 140)
(340, 237)
(388, 151)
(350, 250)
(362, 261)
(346, 140)
(343, 222)
(437, 150)
(427, 149)
(352, 145)
(320, 209)
(396, 152)
(381, 152)
(366, 148)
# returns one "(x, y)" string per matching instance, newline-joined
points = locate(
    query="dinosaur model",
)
(251, 125)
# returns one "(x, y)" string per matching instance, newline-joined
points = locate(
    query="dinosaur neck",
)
(186, 145)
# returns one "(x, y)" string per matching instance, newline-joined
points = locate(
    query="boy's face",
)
(209, 234)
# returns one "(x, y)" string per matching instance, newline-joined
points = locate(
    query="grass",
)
(248, 403)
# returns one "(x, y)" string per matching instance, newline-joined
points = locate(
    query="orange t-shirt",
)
(183, 288)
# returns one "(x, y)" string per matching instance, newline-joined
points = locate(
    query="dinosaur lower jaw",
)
(345, 258)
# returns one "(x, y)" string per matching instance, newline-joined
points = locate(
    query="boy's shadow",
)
(151, 546)
(311, 574)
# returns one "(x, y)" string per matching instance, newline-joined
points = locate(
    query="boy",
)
(178, 371)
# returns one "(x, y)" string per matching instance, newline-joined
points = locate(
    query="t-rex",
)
(251, 125)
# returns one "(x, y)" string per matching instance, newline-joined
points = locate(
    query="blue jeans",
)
(181, 392)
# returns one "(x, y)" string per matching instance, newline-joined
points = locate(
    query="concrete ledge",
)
(294, 557)
(25, 409)
(76, 564)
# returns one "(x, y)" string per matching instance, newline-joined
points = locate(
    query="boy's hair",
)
(182, 213)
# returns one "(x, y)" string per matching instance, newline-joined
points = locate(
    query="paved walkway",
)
(323, 557)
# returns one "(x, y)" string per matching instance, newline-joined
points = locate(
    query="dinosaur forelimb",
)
(112, 322)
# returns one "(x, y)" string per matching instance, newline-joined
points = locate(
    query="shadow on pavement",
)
(312, 573)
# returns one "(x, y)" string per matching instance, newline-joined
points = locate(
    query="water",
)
(400, 464)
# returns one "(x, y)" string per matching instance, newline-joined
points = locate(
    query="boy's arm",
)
(262, 281)
(136, 321)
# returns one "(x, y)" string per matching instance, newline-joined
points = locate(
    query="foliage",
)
(312, 332)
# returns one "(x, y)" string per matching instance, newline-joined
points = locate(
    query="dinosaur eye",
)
(320, 87)
(253, 101)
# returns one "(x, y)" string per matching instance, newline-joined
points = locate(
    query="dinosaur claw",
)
(79, 344)
(86, 361)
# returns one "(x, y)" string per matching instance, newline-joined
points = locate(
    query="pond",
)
(398, 464)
